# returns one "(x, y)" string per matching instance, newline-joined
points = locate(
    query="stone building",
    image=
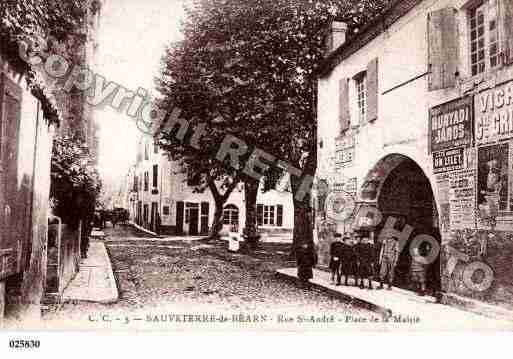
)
(415, 119)
(158, 188)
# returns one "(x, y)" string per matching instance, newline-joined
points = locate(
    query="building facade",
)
(415, 119)
(158, 195)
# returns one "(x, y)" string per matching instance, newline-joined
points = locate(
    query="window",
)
(146, 156)
(165, 210)
(484, 42)
(231, 215)
(269, 215)
(155, 175)
(361, 96)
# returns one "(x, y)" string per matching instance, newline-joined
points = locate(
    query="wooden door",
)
(179, 217)
(10, 233)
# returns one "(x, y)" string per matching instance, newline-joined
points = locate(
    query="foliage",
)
(76, 184)
(248, 68)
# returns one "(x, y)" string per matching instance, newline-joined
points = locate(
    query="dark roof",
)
(369, 32)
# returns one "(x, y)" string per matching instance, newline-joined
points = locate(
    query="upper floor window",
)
(484, 37)
(361, 96)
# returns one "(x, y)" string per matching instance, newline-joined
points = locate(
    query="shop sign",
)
(450, 124)
(494, 114)
(345, 151)
(462, 199)
(448, 160)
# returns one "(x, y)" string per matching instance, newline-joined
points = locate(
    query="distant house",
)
(157, 189)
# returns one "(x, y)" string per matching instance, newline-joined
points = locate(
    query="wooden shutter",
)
(179, 217)
(204, 217)
(442, 49)
(10, 209)
(372, 90)
(279, 215)
(260, 214)
(344, 117)
(506, 31)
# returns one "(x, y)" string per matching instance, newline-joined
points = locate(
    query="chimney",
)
(338, 34)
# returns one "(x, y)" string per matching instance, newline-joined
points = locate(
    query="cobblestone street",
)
(179, 275)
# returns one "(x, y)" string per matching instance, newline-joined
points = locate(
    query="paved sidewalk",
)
(95, 281)
(403, 304)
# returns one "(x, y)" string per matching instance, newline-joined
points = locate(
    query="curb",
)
(341, 296)
(477, 307)
(142, 229)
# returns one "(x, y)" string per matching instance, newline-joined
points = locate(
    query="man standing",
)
(388, 259)
(337, 248)
(306, 260)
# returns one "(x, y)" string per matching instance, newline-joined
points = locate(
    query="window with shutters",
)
(484, 37)
(361, 96)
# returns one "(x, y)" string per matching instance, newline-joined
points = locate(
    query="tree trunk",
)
(217, 223)
(250, 227)
(220, 200)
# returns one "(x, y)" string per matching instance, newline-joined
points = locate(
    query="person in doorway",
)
(306, 259)
(352, 259)
(419, 268)
(388, 260)
(336, 253)
(366, 256)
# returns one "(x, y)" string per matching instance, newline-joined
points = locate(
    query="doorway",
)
(405, 193)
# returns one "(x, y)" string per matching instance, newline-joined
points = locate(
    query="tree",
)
(252, 64)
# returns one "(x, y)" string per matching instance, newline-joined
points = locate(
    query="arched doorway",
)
(401, 189)
(231, 216)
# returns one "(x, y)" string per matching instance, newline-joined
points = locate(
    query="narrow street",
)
(159, 278)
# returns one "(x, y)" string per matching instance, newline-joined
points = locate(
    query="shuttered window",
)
(361, 96)
(484, 37)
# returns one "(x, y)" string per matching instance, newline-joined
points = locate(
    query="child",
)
(419, 270)
(366, 261)
(346, 257)
(336, 252)
(353, 258)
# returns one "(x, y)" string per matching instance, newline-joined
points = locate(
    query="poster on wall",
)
(448, 160)
(462, 199)
(450, 124)
(442, 181)
(494, 114)
(492, 179)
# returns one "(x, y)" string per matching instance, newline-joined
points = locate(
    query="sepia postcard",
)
(256, 165)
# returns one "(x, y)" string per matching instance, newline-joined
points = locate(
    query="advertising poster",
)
(450, 125)
(448, 160)
(442, 181)
(493, 179)
(462, 199)
(494, 114)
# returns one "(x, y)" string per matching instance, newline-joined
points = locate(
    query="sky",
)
(132, 37)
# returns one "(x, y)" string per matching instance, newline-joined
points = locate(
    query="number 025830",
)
(24, 344)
